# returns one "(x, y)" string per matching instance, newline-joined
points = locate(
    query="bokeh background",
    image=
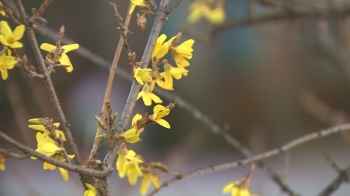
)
(267, 83)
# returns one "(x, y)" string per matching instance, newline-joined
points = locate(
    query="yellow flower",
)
(142, 75)
(159, 112)
(160, 49)
(46, 145)
(236, 189)
(168, 74)
(146, 182)
(2, 163)
(217, 15)
(147, 95)
(92, 191)
(59, 133)
(140, 3)
(181, 52)
(133, 134)
(200, 9)
(125, 156)
(7, 38)
(6, 62)
(2, 10)
(132, 170)
(62, 56)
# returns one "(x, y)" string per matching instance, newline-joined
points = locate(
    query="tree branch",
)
(68, 166)
(48, 83)
(288, 146)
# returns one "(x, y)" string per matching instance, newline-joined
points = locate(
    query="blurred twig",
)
(288, 146)
(342, 177)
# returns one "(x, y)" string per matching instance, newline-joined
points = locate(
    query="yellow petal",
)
(18, 32)
(70, 47)
(47, 47)
(64, 174)
(227, 188)
(5, 29)
(145, 183)
(50, 148)
(4, 74)
(16, 45)
(64, 60)
(48, 166)
(155, 98)
(163, 123)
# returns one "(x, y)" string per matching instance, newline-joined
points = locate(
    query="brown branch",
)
(68, 166)
(288, 146)
(39, 12)
(135, 88)
(8, 153)
(112, 72)
(48, 83)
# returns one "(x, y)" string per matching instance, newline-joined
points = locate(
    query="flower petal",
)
(70, 47)
(163, 123)
(18, 32)
(47, 47)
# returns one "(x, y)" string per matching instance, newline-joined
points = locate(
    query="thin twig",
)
(48, 83)
(177, 3)
(288, 146)
(109, 85)
(68, 166)
(8, 153)
(289, 14)
(343, 176)
(39, 12)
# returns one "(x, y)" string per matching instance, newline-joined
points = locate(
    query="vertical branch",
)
(112, 72)
(48, 82)
(135, 88)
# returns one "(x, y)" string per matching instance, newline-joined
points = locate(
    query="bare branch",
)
(288, 146)
(343, 176)
(109, 85)
(8, 153)
(68, 166)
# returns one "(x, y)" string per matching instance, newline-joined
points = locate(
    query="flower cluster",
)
(128, 164)
(50, 143)
(206, 8)
(10, 40)
(163, 77)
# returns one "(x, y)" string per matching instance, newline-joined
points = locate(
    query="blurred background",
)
(267, 83)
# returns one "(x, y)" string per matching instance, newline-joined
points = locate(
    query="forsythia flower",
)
(141, 3)
(236, 189)
(6, 62)
(142, 75)
(159, 112)
(125, 156)
(2, 8)
(48, 147)
(38, 127)
(167, 84)
(146, 182)
(132, 170)
(2, 163)
(92, 191)
(170, 72)
(181, 52)
(200, 9)
(7, 38)
(147, 95)
(62, 56)
(132, 135)
(160, 49)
